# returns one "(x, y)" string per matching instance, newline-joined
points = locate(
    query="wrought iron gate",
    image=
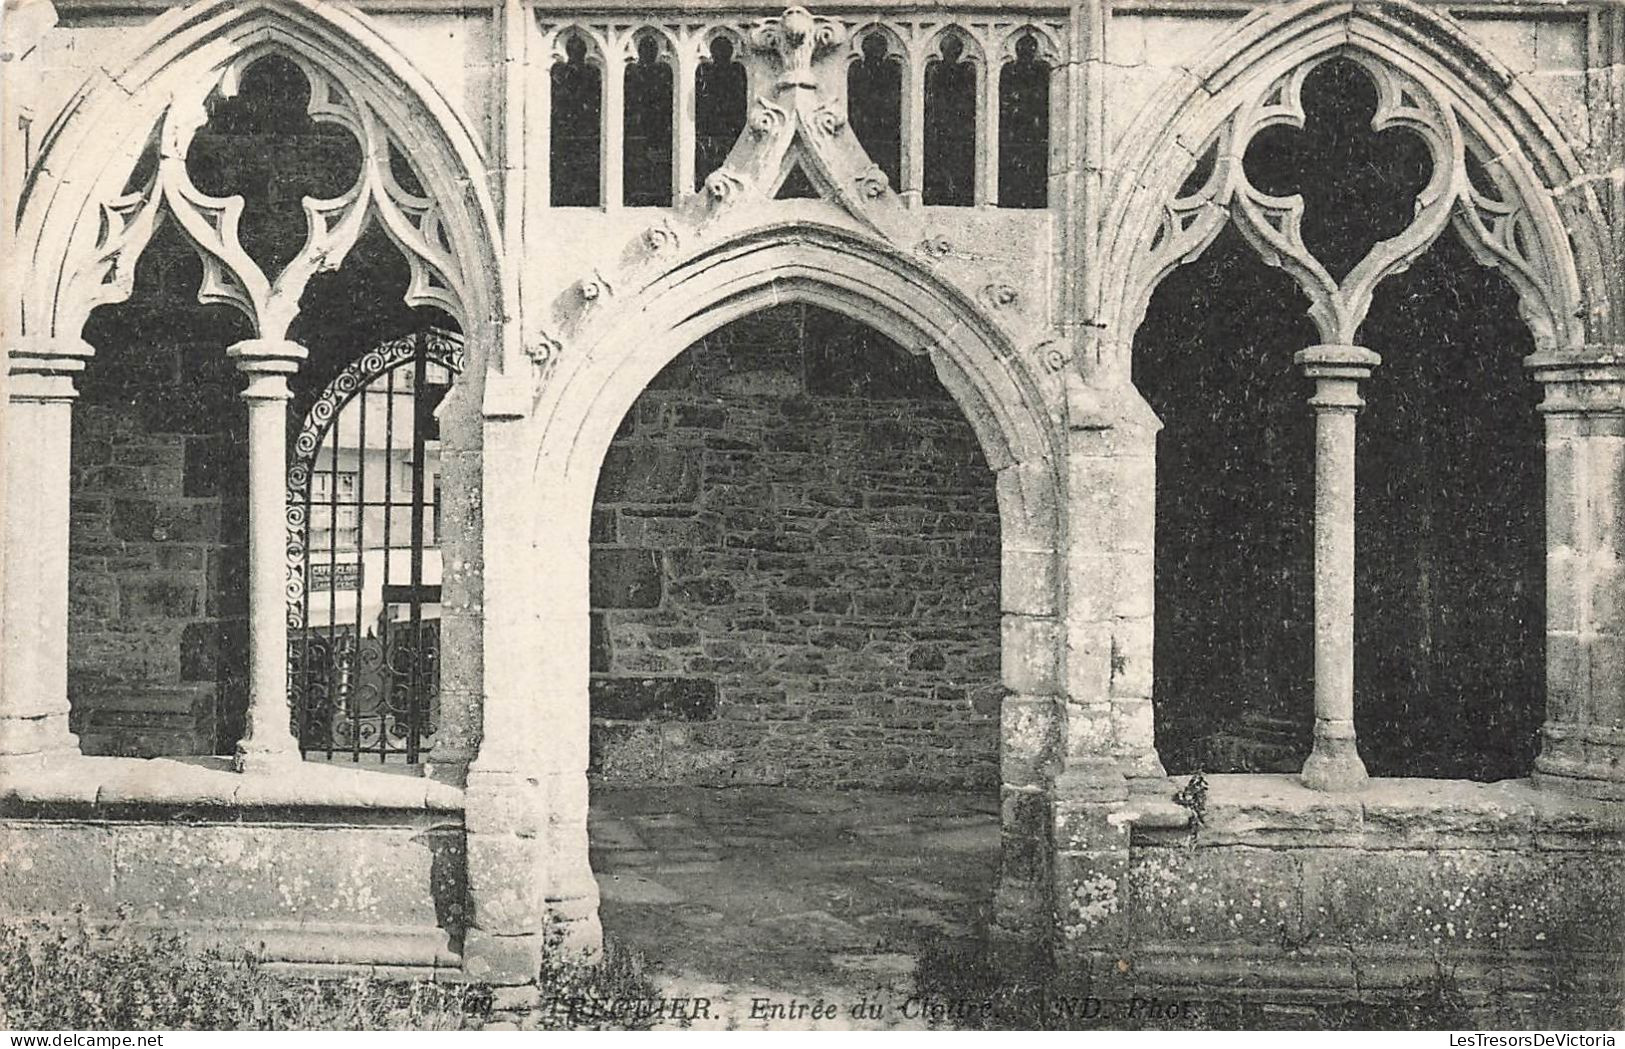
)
(363, 554)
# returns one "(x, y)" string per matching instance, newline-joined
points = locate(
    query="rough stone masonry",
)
(795, 569)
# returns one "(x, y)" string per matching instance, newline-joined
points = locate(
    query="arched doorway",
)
(586, 391)
(795, 661)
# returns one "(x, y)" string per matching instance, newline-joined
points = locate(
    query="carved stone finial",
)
(798, 38)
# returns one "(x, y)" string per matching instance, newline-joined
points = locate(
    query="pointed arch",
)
(556, 41)
(89, 154)
(896, 47)
(971, 49)
(1492, 118)
(615, 357)
(537, 597)
(1051, 49)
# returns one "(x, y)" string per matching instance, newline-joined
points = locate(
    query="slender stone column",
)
(1334, 763)
(1583, 740)
(267, 740)
(34, 690)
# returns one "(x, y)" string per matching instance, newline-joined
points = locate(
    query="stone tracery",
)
(231, 276)
(1273, 225)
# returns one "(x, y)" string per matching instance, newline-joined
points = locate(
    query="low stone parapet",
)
(332, 866)
(1275, 892)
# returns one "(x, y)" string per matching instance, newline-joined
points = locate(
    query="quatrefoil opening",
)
(1359, 185)
(266, 143)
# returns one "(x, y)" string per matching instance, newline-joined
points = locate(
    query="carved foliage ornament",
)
(935, 248)
(231, 277)
(797, 38)
(1053, 354)
(1460, 186)
(543, 348)
(595, 287)
(830, 117)
(723, 185)
(1000, 295)
(872, 182)
(766, 118)
(661, 238)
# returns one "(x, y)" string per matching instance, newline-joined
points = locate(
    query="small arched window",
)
(576, 126)
(719, 108)
(950, 125)
(1024, 127)
(874, 88)
(646, 143)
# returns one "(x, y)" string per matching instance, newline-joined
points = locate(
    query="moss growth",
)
(981, 991)
(82, 975)
(1193, 796)
(113, 977)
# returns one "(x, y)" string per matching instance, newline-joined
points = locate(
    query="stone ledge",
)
(98, 783)
(1277, 810)
(1375, 971)
(313, 948)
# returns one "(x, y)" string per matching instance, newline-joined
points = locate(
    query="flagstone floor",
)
(798, 897)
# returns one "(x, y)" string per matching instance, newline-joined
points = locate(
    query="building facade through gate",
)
(257, 568)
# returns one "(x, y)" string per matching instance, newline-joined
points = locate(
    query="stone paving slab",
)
(797, 897)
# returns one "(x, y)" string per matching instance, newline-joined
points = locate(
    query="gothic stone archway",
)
(537, 687)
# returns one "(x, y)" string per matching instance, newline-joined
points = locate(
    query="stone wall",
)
(795, 569)
(281, 866)
(1436, 891)
(157, 627)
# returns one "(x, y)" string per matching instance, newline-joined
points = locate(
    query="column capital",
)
(1332, 361)
(1583, 380)
(267, 363)
(1109, 405)
(262, 356)
(42, 367)
(1337, 371)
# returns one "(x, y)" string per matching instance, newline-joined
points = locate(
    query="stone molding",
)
(207, 785)
(1588, 381)
(43, 370)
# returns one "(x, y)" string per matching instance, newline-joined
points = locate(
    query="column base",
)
(1563, 771)
(574, 932)
(504, 961)
(1582, 760)
(41, 738)
(1335, 763)
(1093, 781)
(1593, 787)
(1019, 943)
(1146, 775)
(256, 759)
